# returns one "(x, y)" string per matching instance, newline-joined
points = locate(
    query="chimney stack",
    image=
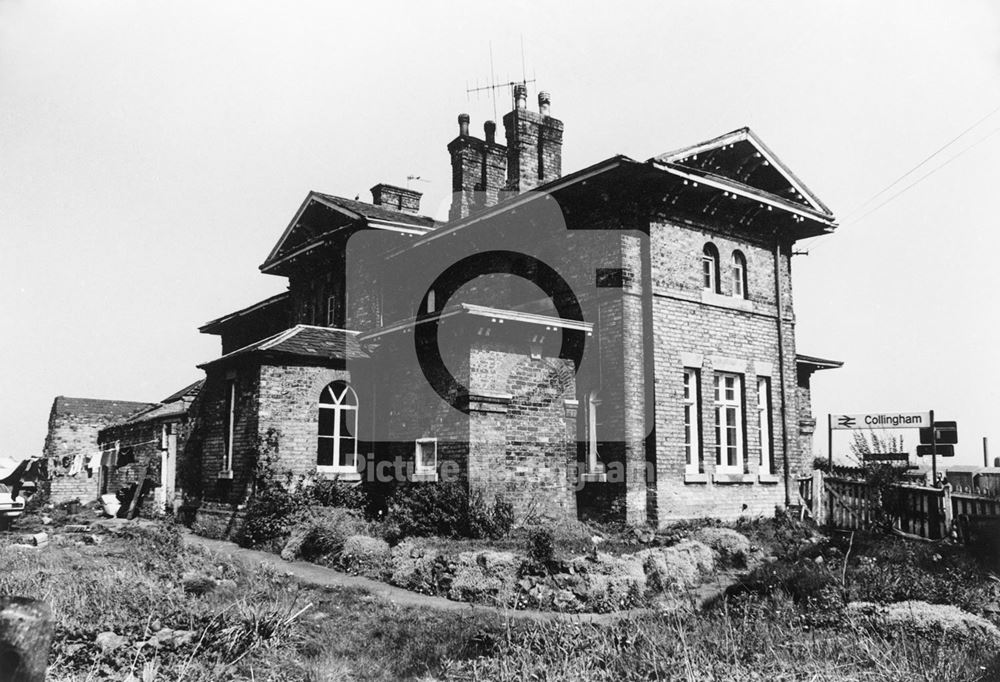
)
(478, 169)
(396, 198)
(534, 143)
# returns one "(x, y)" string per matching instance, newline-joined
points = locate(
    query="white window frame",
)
(343, 463)
(594, 464)
(691, 398)
(227, 458)
(764, 423)
(421, 467)
(728, 404)
(710, 268)
(738, 273)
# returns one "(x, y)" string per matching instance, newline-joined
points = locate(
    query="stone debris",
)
(925, 617)
(109, 641)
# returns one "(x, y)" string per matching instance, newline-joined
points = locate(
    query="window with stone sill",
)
(765, 427)
(593, 422)
(337, 449)
(710, 268)
(728, 404)
(692, 421)
(425, 457)
(738, 275)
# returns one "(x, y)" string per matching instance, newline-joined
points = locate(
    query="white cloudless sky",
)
(151, 153)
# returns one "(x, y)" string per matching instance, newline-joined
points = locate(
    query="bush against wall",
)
(446, 510)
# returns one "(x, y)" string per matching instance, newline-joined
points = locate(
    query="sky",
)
(151, 154)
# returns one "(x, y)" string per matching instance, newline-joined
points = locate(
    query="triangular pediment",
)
(740, 156)
(314, 218)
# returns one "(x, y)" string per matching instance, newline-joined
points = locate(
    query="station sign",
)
(881, 420)
(946, 450)
(886, 456)
(945, 433)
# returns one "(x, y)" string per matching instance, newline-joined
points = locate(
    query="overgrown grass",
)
(252, 623)
(764, 642)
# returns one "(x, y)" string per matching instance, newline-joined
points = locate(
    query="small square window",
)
(425, 457)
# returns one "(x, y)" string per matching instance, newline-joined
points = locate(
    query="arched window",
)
(710, 268)
(739, 275)
(338, 429)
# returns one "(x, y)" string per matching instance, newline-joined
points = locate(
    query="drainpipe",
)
(781, 364)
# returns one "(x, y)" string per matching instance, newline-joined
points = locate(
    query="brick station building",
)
(616, 340)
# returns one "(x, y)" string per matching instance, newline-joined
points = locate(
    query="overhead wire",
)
(850, 220)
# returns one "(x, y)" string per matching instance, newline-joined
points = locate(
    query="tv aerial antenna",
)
(493, 85)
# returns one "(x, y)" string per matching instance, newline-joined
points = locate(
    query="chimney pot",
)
(463, 125)
(491, 131)
(544, 100)
(521, 96)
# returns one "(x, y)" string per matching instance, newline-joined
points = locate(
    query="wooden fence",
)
(921, 511)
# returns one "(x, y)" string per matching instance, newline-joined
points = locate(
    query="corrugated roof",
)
(317, 344)
(96, 407)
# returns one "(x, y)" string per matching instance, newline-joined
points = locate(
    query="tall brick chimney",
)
(534, 143)
(478, 168)
(396, 198)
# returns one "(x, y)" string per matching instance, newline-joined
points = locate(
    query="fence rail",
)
(932, 513)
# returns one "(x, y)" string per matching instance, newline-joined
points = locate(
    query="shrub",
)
(445, 509)
(418, 510)
(271, 514)
(492, 522)
(322, 533)
(541, 546)
(337, 494)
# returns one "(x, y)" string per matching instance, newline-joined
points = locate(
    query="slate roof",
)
(190, 391)
(378, 212)
(302, 233)
(322, 345)
(174, 405)
(96, 408)
(214, 326)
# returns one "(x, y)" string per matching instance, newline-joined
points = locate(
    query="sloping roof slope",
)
(302, 342)
(96, 408)
(740, 156)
